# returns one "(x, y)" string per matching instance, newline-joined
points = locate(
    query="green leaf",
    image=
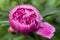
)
(7, 36)
(39, 4)
(4, 18)
(58, 3)
(57, 32)
(51, 3)
(22, 37)
(21, 1)
(57, 18)
(7, 5)
(3, 32)
(36, 2)
(4, 23)
(3, 15)
(50, 11)
(1, 3)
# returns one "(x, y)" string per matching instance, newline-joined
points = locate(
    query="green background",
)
(49, 9)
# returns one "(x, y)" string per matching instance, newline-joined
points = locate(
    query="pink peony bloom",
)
(46, 31)
(25, 18)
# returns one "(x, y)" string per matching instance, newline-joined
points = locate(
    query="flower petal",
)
(47, 31)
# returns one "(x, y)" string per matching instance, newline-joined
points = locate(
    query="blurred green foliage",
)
(49, 9)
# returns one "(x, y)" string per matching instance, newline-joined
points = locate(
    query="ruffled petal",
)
(47, 31)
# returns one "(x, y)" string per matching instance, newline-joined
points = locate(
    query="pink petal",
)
(47, 31)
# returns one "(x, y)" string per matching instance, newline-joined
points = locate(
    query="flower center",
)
(24, 15)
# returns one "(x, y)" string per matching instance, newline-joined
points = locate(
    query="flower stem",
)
(12, 37)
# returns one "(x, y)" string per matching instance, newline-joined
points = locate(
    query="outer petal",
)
(47, 31)
(20, 28)
(11, 30)
(24, 29)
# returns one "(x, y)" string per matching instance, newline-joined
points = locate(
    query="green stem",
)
(12, 37)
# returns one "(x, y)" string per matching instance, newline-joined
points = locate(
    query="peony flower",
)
(24, 18)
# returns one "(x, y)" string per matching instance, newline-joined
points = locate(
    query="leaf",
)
(57, 32)
(3, 18)
(21, 1)
(7, 5)
(3, 15)
(50, 11)
(1, 3)
(58, 3)
(3, 32)
(51, 3)
(4, 23)
(40, 5)
(57, 18)
(36, 2)
(55, 38)
(7, 36)
(22, 37)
